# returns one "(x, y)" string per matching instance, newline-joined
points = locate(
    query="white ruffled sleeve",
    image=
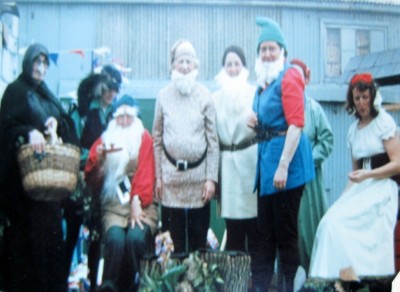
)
(385, 126)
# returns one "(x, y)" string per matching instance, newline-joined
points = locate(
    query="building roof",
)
(383, 65)
(384, 2)
(236, 2)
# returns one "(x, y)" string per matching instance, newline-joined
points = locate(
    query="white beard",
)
(268, 71)
(184, 82)
(235, 90)
(115, 164)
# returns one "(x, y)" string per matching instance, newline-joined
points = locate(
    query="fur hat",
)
(183, 47)
(270, 32)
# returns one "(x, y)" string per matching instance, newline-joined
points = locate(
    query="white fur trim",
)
(126, 110)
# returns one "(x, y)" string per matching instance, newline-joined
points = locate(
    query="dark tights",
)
(188, 227)
(124, 247)
(277, 224)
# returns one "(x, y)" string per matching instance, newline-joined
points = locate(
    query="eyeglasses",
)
(41, 61)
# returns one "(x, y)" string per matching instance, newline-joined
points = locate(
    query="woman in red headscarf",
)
(357, 231)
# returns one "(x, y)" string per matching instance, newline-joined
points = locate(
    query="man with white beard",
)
(186, 151)
(285, 162)
(121, 169)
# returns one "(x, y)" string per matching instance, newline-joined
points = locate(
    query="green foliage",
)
(193, 274)
(157, 281)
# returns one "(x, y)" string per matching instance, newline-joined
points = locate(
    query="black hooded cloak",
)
(35, 235)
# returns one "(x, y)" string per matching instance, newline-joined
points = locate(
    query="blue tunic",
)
(268, 106)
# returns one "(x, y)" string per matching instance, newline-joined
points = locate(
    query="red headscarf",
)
(362, 77)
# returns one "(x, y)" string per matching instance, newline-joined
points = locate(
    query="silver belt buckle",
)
(181, 165)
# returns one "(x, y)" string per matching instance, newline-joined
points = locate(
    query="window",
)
(344, 42)
(333, 53)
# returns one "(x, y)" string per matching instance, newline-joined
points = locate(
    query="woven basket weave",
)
(52, 176)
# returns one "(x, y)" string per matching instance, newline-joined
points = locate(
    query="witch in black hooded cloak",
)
(34, 240)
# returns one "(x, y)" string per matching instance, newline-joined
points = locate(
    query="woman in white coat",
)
(233, 103)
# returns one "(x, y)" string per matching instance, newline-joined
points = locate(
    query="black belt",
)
(376, 161)
(182, 165)
(268, 135)
(239, 146)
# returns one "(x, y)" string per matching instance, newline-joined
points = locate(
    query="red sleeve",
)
(143, 180)
(293, 97)
(93, 173)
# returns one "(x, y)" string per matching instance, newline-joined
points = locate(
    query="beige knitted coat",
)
(186, 125)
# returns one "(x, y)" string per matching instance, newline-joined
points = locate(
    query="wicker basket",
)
(51, 176)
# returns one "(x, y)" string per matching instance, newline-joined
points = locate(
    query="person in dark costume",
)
(90, 88)
(34, 239)
(96, 95)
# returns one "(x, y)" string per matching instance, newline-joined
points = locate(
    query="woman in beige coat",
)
(233, 103)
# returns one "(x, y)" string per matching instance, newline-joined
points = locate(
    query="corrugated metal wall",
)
(149, 31)
(141, 35)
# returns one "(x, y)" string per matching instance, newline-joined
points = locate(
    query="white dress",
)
(358, 230)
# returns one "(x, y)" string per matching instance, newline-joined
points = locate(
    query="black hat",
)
(114, 75)
(90, 88)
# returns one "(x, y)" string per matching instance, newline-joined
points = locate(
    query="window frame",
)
(347, 24)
